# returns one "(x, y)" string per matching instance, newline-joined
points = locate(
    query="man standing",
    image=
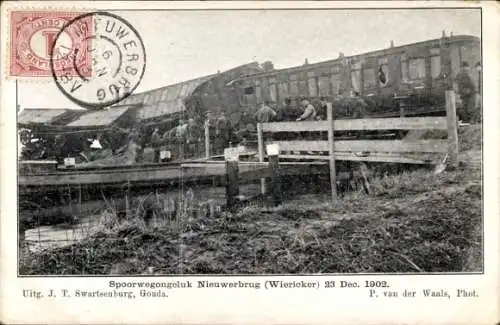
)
(309, 112)
(265, 114)
(193, 136)
(155, 143)
(467, 91)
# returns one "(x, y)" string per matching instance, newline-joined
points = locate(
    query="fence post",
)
(207, 141)
(231, 156)
(451, 118)
(260, 139)
(273, 157)
(331, 152)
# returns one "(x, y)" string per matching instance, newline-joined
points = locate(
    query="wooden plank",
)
(371, 158)
(274, 166)
(331, 153)
(438, 146)
(295, 126)
(218, 164)
(207, 141)
(407, 123)
(260, 140)
(315, 157)
(382, 158)
(302, 145)
(37, 162)
(167, 176)
(232, 177)
(285, 170)
(451, 114)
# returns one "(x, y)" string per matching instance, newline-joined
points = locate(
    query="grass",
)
(413, 222)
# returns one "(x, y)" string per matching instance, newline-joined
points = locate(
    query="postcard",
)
(249, 162)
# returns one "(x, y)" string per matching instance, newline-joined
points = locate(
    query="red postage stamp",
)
(33, 43)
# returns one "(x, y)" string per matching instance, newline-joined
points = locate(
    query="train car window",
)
(313, 89)
(383, 75)
(272, 92)
(416, 68)
(249, 91)
(369, 80)
(294, 88)
(435, 66)
(302, 88)
(356, 80)
(404, 70)
(258, 93)
(324, 86)
(336, 80)
(248, 96)
(335, 69)
(283, 90)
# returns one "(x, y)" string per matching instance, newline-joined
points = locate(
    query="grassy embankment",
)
(413, 222)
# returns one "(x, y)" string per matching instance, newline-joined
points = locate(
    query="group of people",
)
(307, 111)
(189, 134)
(186, 135)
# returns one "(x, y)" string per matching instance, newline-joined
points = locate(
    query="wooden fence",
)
(394, 151)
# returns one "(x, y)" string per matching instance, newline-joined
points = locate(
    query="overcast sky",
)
(182, 45)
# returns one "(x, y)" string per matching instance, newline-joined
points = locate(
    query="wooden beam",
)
(261, 144)
(382, 158)
(331, 153)
(302, 145)
(232, 177)
(451, 115)
(438, 146)
(295, 126)
(276, 195)
(207, 141)
(371, 158)
(407, 123)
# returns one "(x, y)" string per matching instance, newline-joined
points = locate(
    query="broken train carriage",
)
(408, 80)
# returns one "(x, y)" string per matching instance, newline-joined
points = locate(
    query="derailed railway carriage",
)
(408, 80)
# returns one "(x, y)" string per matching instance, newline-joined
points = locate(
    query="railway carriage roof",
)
(169, 99)
(40, 115)
(99, 118)
(166, 100)
(395, 49)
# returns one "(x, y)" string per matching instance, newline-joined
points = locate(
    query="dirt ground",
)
(414, 221)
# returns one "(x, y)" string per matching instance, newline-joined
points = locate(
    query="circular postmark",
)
(117, 65)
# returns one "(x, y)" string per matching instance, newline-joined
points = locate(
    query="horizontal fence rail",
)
(405, 123)
(314, 146)
(434, 146)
